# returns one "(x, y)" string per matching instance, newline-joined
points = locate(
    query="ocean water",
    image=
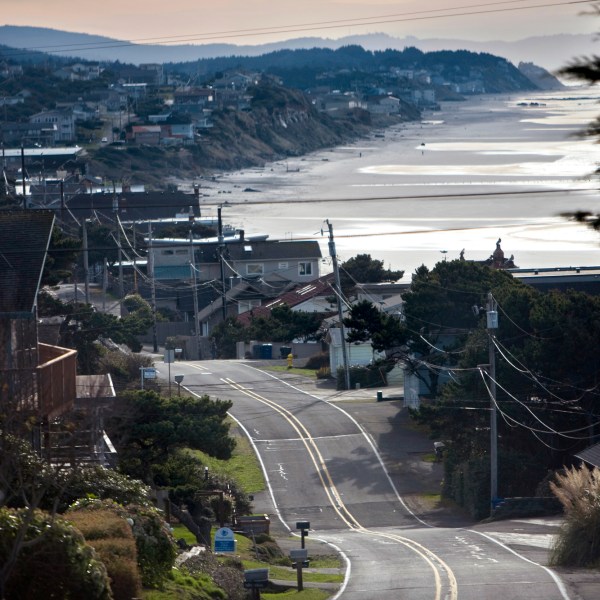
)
(492, 167)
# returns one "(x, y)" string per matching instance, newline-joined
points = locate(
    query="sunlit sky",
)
(260, 21)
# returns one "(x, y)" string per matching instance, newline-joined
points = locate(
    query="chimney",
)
(241, 232)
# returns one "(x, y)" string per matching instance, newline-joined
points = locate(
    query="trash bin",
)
(267, 351)
(284, 351)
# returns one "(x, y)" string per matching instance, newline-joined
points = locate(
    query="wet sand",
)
(462, 178)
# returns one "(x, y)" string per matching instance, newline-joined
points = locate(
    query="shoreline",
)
(460, 178)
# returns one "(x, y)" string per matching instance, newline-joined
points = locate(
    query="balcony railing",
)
(56, 377)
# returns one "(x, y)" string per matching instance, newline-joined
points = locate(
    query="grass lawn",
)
(312, 373)
(289, 574)
(242, 467)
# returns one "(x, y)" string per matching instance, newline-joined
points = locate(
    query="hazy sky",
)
(204, 21)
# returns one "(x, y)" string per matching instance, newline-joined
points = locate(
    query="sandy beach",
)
(461, 178)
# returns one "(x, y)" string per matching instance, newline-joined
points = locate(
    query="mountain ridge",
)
(551, 52)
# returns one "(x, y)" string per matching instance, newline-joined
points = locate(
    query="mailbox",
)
(303, 525)
(256, 575)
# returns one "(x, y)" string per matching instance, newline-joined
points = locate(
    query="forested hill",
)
(305, 68)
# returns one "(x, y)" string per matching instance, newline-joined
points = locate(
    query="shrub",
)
(96, 481)
(111, 537)
(156, 549)
(578, 541)
(317, 361)
(366, 376)
(323, 373)
(123, 366)
(52, 551)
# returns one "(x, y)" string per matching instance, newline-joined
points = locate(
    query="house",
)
(176, 133)
(61, 121)
(132, 205)
(271, 260)
(156, 71)
(237, 81)
(193, 99)
(310, 297)
(590, 456)
(237, 274)
(16, 133)
(580, 279)
(359, 353)
(145, 134)
(79, 72)
(384, 105)
(39, 386)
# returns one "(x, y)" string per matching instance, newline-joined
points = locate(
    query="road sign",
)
(169, 356)
(224, 540)
(149, 373)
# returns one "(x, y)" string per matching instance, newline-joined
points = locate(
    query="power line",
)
(547, 429)
(322, 25)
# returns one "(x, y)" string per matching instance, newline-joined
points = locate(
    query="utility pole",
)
(194, 292)
(221, 245)
(336, 271)
(23, 175)
(150, 271)
(492, 324)
(116, 211)
(62, 201)
(135, 281)
(86, 265)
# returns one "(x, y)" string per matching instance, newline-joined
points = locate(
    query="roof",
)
(94, 388)
(590, 455)
(134, 206)
(250, 250)
(582, 279)
(300, 294)
(24, 239)
(146, 129)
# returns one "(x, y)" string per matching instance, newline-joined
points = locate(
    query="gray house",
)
(269, 260)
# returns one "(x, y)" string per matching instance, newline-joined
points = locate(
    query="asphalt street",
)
(354, 468)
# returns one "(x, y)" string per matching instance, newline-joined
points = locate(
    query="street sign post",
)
(169, 358)
(147, 373)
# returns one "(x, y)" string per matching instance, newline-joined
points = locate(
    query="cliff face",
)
(542, 78)
(280, 123)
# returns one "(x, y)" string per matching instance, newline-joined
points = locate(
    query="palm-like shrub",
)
(578, 542)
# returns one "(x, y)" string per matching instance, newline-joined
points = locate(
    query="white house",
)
(360, 353)
(62, 121)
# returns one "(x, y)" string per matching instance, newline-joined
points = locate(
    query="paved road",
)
(323, 467)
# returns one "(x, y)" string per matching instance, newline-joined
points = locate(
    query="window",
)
(305, 268)
(246, 305)
(283, 265)
(167, 252)
(254, 269)
(182, 251)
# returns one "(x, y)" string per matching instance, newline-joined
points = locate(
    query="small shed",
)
(359, 353)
